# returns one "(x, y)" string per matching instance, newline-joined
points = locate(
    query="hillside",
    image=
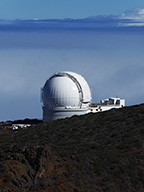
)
(101, 152)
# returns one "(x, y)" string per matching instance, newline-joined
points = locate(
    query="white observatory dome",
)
(65, 92)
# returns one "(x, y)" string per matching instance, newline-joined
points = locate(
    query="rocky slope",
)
(90, 153)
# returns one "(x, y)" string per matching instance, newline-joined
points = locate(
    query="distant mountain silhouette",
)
(129, 18)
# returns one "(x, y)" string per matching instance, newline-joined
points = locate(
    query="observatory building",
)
(64, 95)
(67, 93)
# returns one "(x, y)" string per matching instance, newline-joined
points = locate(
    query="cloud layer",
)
(134, 17)
(137, 14)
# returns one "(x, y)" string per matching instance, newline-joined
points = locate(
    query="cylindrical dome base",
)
(61, 113)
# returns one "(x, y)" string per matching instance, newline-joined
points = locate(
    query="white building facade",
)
(107, 104)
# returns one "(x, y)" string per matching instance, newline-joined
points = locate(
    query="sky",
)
(107, 53)
(60, 9)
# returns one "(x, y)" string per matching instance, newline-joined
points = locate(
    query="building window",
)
(118, 102)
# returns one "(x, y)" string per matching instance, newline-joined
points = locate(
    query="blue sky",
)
(48, 9)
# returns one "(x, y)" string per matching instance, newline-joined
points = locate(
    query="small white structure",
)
(107, 104)
(67, 93)
(18, 126)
